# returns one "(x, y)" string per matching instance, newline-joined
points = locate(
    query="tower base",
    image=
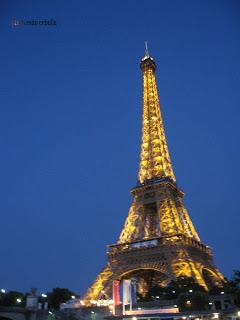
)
(156, 261)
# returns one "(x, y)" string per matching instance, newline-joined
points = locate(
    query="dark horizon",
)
(71, 129)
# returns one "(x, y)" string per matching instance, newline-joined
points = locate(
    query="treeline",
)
(185, 291)
(53, 298)
(191, 296)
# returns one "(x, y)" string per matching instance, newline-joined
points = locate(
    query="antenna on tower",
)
(146, 50)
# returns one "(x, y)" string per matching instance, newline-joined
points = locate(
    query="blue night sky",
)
(70, 128)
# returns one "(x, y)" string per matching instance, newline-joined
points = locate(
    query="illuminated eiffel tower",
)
(158, 242)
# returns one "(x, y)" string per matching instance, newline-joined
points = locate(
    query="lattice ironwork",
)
(155, 160)
(158, 233)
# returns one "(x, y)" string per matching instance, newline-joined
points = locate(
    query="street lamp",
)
(44, 295)
(19, 300)
(3, 290)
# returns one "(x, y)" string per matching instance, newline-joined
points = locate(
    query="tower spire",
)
(146, 50)
(154, 160)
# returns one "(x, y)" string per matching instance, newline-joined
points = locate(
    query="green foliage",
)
(185, 289)
(54, 298)
(173, 290)
(9, 299)
(193, 301)
(58, 296)
(236, 278)
(230, 286)
(184, 284)
(190, 295)
(235, 286)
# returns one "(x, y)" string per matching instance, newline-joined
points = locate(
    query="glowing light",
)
(210, 303)
(173, 291)
(222, 292)
(19, 300)
(190, 290)
(102, 302)
(154, 144)
(215, 316)
(139, 308)
(92, 312)
(238, 313)
(44, 295)
(134, 318)
(73, 297)
(3, 290)
(188, 302)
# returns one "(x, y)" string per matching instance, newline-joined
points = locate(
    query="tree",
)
(182, 285)
(12, 299)
(236, 278)
(58, 296)
(235, 286)
(194, 301)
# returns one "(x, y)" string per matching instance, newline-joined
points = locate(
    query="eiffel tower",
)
(158, 242)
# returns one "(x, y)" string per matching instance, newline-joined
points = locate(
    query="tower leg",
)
(98, 286)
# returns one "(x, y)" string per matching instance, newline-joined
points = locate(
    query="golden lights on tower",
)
(155, 160)
(158, 233)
